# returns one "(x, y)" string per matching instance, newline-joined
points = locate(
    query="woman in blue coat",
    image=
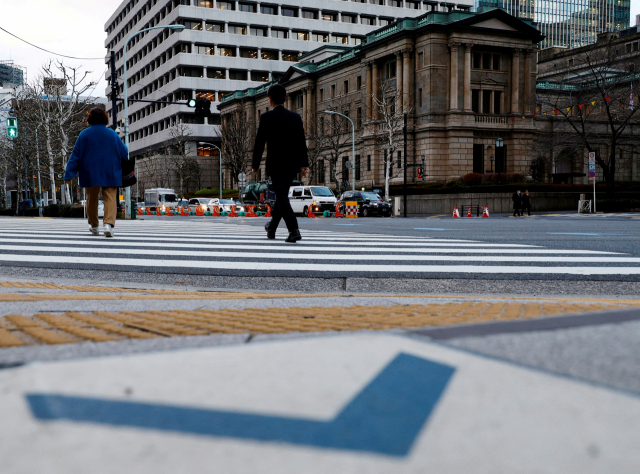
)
(96, 158)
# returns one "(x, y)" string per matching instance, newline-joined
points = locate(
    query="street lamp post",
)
(499, 146)
(353, 145)
(219, 153)
(39, 181)
(127, 214)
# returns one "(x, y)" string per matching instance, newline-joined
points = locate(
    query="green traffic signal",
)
(191, 103)
(12, 127)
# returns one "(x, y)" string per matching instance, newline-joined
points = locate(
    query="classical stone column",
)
(399, 81)
(369, 90)
(467, 77)
(407, 74)
(304, 106)
(515, 81)
(375, 86)
(453, 86)
(527, 81)
(310, 105)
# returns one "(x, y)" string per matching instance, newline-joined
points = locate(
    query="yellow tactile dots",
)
(17, 330)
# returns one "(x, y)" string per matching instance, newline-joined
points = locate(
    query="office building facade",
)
(226, 46)
(568, 23)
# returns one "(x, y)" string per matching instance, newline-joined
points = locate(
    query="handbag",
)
(128, 172)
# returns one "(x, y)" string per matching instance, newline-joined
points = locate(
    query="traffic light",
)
(12, 127)
(420, 173)
(202, 106)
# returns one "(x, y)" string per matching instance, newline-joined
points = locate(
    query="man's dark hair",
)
(97, 116)
(277, 93)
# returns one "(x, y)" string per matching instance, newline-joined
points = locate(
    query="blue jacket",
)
(96, 157)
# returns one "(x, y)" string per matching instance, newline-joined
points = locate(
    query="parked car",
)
(369, 204)
(303, 197)
(204, 203)
(226, 205)
(100, 207)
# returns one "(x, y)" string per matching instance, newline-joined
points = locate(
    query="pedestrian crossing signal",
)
(419, 172)
(12, 127)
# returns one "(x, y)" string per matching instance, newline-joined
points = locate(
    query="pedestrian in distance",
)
(526, 203)
(517, 203)
(96, 157)
(283, 133)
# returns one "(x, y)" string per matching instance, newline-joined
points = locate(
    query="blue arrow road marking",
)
(385, 417)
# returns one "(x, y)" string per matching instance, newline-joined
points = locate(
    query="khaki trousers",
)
(109, 196)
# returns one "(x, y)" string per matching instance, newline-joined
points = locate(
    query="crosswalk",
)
(236, 248)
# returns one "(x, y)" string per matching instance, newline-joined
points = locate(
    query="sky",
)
(74, 28)
(71, 27)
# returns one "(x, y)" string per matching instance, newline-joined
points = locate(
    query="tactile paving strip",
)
(71, 327)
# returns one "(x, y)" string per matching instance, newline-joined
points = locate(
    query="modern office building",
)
(568, 23)
(227, 46)
(11, 75)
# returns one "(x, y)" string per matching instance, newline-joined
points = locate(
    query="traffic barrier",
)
(456, 214)
(326, 213)
(485, 213)
(338, 213)
(251, 211)
(351, 209)
(216, 211)
(310, 210)
(199, 211)
(184, 210)
(268, 214)
(140, 211)
(469, 213)
(233, 212)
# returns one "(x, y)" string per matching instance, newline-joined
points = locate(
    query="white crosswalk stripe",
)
(209, 247)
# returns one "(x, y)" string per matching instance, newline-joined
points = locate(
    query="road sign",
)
(348, 165)
(242, 177)
(12, 127)
(592, 157)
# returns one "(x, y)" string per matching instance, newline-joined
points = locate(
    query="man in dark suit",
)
(283, 133)
(517, 203)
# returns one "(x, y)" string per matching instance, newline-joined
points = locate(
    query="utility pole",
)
(114, 91)
(404, 185)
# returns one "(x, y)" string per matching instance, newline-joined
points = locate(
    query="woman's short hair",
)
(97, 116)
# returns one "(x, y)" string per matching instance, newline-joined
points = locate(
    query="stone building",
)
(466, 81)
(574, 90)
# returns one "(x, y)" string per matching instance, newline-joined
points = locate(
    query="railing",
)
(493, 119)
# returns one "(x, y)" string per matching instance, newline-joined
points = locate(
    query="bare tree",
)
(177, 150)
(316, 144)
(596, 107)
(237, 139)
(386, 126)
(336, 137)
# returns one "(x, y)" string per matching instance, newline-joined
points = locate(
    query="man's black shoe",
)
(293, 237)
(271, 234)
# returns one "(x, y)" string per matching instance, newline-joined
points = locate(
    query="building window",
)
(329, 16)
(496, 62)
(248, 7)
(260, 76)
(475, 100)
(209, 95)
(216, 73)
(345, 87)
(205, 49)
(300, 101)
(385, 21)
(321, 95)
(349, 18)
(283, 34)
(486, 102)
(359, 117)
(191, 71)
(301, 35)
(257, 31)
(399, 159)
(204, 3)
(420, 59)
(419, 97)
(226, 51)
(358, 82)
(289, 12)
(237, 75)
(320, 37)
(237, 29)
(270, 54)
(267, 10)
(289, 56)
(357, 166)
(497, 95)
(333, 91)
(215, 27)
(192, 25)
(250, 53)
(340, 39)
(390, 70)
(356, 40)
(321, 172)
(368, 20)
(310, 14)
(368, 162)
(225, 5)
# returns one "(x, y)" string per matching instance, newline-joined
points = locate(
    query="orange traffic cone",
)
(310, 211)
(338, 213)
(469, 213)
(456, 214)
(485, 213)
(268, 214)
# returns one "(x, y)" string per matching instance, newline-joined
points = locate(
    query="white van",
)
(302, 197)
(158, 197)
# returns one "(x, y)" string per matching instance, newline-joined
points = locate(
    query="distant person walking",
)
(96, 157)
(517, 203)
(283, 133)
(526, 203)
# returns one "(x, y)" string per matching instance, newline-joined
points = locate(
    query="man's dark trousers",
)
(282, 208)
